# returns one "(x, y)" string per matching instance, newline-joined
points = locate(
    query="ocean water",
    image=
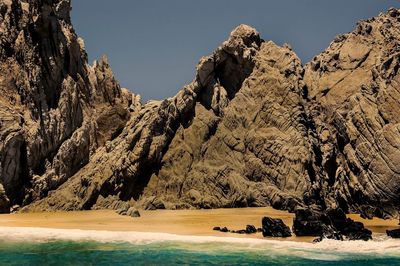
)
(33, 246)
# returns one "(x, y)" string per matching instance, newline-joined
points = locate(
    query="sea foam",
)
(381, 245)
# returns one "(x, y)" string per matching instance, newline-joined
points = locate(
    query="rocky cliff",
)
(353, 92)
(55, 109)
(254, 128)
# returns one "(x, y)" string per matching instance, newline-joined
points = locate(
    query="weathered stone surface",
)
(250, 229)
(132, 212)
(123, 210)
(257, 144)
(353, 89)
(275, 228)
(111, 203)
(330, 224)
(393, 233)
(254, 128)
(308, 223)
(224, 229)
(55, 109)
(124, 166)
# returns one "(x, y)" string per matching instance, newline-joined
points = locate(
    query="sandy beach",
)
(180, 222)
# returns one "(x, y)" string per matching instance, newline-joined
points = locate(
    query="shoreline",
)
(184, 223)
(382, 246)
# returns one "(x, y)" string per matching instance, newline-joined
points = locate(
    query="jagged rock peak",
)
(136, 153)
(246, 33)
(394, 12)
(352, 89)
(254, 128)
(55, 109)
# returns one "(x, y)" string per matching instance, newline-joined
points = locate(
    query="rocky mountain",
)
(55, 109)
(254, 128)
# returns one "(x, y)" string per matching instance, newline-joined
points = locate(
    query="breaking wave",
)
(326, 250)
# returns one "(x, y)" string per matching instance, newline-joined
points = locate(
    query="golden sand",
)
(183, 222)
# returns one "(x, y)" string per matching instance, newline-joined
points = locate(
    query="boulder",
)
(123, 211)
(132, 212)
(240, 232)
(330, 224)
(307, 223)
(154, 204)
(224, 229)
(251, 229)
(15, 208)
(393, 233)
(351, 229)
(275, 228)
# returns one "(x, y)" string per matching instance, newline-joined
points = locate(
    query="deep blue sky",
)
(154, 45)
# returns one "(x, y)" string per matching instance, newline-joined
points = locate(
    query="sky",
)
(153, 46)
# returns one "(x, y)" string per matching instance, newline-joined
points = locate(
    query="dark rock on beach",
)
(129, 211)
(251, 229)
(308, 223)
(122, 211)
(330, 224)
(240, 232)
(224, 229)
(132, 212)
(275, 228)
(393, 233)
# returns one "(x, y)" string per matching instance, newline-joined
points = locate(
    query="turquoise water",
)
(44, 246)
(55, 252)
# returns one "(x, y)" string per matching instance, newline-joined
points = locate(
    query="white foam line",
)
(382, 245)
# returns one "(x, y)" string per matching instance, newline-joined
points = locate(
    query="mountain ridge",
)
(254, 128)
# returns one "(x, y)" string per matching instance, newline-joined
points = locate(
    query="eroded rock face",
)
(258, 143)
(353, 89)
(125, 165)
(55, 108)
(254, 128)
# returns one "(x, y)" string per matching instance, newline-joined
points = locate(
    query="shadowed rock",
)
(250, 229)
(55, 109)
(393, 233)
(275, 228)
(330, 224)
(133, 212)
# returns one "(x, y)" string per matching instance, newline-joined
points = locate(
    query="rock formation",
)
(395, 233)
(254, 128)
(55, 109)
(330, 224)
(353, 91)
(250, 229)
(275, 228)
